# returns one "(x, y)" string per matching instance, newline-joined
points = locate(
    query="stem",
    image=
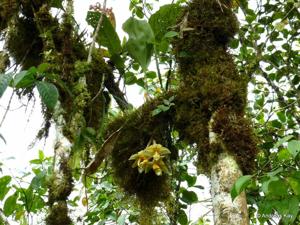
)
(89, 60)
(7, 109)
(158, 70)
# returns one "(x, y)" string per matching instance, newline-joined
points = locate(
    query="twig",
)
(102, 153)
(89, 60)
(7, 109)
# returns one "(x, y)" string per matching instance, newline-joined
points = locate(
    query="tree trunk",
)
(224, 173)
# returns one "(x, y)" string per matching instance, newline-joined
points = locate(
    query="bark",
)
(224, 173)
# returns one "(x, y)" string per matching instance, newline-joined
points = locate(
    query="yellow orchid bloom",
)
(151, 159)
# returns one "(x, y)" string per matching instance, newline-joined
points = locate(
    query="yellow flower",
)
(157, 169)
(151, 159)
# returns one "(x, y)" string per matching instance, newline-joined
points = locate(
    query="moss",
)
(237, 134)
(58, 214)
(4, 61)
(138, 128)
(60, 185)
(27, 50)
(210, 83)
(8, 8)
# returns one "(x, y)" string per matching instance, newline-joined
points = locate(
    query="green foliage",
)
(107, 36)
(240, 185)
(5, 80)
(164, 20)
(140, 44)
(49, 93)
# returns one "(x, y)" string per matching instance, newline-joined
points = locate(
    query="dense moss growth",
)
(138, 129)
(210, 87)
(211, 83)
(27, 50)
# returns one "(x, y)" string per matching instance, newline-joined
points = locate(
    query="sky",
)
(24, 119)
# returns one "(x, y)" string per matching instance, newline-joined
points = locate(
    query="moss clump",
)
(24, 43)
(60, 185)
(4, 61)
(138, 128)
(210, 83)
(8, 8)
(236, 132)
(58, 214)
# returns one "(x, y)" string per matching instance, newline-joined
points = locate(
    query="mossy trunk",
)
(223, 175)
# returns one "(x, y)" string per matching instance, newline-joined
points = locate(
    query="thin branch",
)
(89, 60)
(158, 70)
(7, 109)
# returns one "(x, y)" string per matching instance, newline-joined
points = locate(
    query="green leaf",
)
(5, 79)
(107, 35)
(294, 147)
(275, 186)
(141, 38)
(24, 79)
(182, 217)
(240, 185)
(191, 180)
(189, 197)
(10, 205)
(294, 182)
(48, 93)
(171, 34)
(121, 220)
(41, 155)
(151, 74)
(288, 209)
(234, 43)
(130, 78)
(43, 67)
(156, 111)
(164, 19)
(4, 181)
(57, 4)
(283, 140)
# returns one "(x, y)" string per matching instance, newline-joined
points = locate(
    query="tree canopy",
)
(218, 76)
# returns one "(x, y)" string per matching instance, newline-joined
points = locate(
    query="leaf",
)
(294, 182)
(141, 38)
(130, 78)
(191, 180)
(283, 140)
(171, 34)
(275, 186)
(10, 205)
(121, 220)
(156, 111)
(48, 93)
(4, 181)
(234, 43)
(43, 67)
(24, 79)
(151, 74)
(164, 19)
(189, 197)
(288, 209)
(107, 35)
(182, 217)
(240, 185)
(57, 4)
(5, 79)
(294, 147)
